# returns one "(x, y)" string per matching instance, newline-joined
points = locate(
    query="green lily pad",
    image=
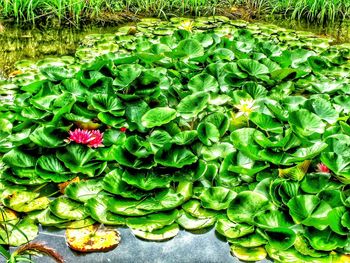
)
(162, 234)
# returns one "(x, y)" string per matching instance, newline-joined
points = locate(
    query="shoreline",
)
(107, 12)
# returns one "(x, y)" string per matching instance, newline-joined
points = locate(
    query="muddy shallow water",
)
(19, 44)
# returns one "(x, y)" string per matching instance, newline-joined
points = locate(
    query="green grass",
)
(75, 11)
(69, 10)
(320, 11)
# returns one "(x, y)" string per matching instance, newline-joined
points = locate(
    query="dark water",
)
(18, 44)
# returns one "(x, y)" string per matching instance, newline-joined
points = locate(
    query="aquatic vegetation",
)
(92, 239)
(176, 154)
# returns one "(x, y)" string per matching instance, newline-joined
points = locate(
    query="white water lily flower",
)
(245, 107)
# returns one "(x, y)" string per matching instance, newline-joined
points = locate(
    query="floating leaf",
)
(325, 240)
(92, 239)
(98, 210)
(79, 159)
(158, 117)
(208, 134)
(249, 254)
(266, 122)
(295, 173)
(189, 222)
(175, 157)
(188, 48)
(18, 158)
(305, 123)
(252, 67)
(83, 190)
(217, 198)
(279, 237)
(251, 240)
(50, 167)
(233, 230)
(309, 210)
(245, 205)
(165, 233)
(152, 222)
(147, 180)
(192, 105)
(184, 138)
(66, 208)
(203, 82)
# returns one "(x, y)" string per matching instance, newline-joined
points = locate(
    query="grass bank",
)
(78, 11)
(320, 11)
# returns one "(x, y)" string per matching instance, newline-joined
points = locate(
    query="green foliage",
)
(192, 139)
(75, 10)
(320, 11)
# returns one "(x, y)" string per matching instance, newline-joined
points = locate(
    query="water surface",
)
(19, 44)
(340, 31)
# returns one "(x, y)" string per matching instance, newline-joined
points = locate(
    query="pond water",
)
(19, 44)
(33, 44)
(339, 31)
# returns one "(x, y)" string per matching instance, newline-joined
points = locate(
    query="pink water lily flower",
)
(322, 168)
(92, 138)
(97, 139)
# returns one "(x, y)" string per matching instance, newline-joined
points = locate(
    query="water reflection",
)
(340, 31)
(18, 44)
